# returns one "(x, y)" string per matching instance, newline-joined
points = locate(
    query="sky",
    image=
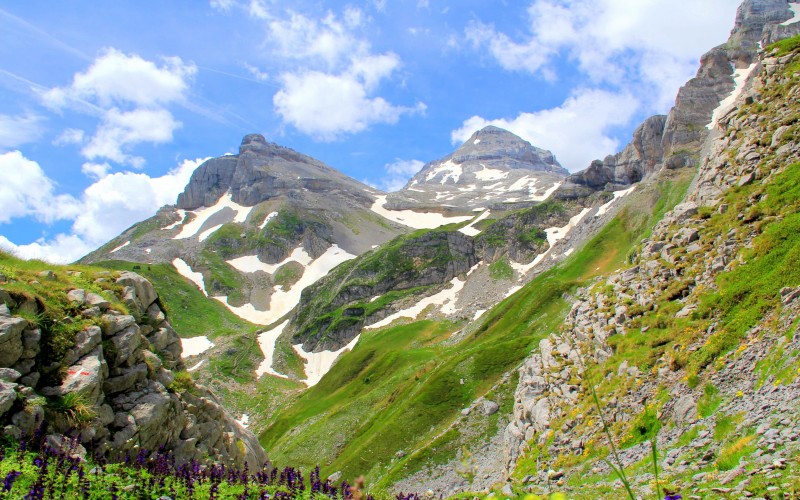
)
(106, 108)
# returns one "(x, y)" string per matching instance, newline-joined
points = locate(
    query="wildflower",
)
(675, 496)
(739, 394)
(8, 483)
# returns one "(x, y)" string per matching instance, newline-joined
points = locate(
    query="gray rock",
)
(11, 339)
(145, 293)
(115, 324)
(490, 407)
(9, 375)
(85, 377)
(66, 445)
(98, 301)
(125, 345)
(31, 340)
(7, 396)
(125, 381)
(85, 342)
(684, 409)
(77, 296)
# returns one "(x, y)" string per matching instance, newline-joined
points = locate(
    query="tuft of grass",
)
(730, 455)
(709, 401)
(73, 408)
(183, 382)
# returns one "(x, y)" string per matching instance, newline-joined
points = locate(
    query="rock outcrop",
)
(121, 382)
(674, 141)
(675, 268)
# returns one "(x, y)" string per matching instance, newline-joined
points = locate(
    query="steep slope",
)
(695, 345)
(90, 353)
(675, 141)
(494, 168)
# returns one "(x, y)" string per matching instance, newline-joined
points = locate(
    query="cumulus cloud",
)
(330, 83)
(28, 192)
(131, 96)
(70, 136)
(106, 208)
(577, 132)
(613, 41)
(18, 130)
(397, 174)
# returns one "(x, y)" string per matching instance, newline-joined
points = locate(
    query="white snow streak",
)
(449, 170)
(195, 345)
(283, 301)
(197, 278)
(120, 247)
(208, 232)
(320, 363)
(617, 195)
(417, 220)
(269, 217)
(554, 234)
(182, 213)
(739, 79)
(266, 341)
(795, 8)
(203, 214)
(470, 230)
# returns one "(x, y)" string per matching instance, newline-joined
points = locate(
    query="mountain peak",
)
(253, 142)
(505, 150)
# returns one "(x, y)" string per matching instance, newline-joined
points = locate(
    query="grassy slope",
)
(401, 387)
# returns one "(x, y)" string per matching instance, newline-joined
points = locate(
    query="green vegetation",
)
(190, 312)
(288, 274)
(72, 408)
(402, 388)
(501, 270)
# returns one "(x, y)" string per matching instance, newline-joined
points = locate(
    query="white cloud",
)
(131, 95)
(70, 136)
(115, 78)
(18, 130)
(258, 9)
(223, 5)
(107, 207)
(577, 132)
(626, 43)
(331, 78)
(121, 130)
(26, 191)
(96, 170)
(398, 174)
(259, 75)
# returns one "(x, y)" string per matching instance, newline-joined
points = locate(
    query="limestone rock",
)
(7, 396)
(145, 293)
(11, 339)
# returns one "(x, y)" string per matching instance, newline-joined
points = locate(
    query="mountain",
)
(491, 169)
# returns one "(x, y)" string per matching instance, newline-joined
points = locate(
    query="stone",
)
(126, 380)
(684, 409)
(91, 312)
(155, 314)
(50, 275)
(145, 293)
(65, 445)
(98, 301)
(4, 310)
(85, 342)
(77, 296)
(84, 377)
(7, 396)
(9, 375)
(336, 476)
(31, 379)
(490, 407)
(31, 340)
(11, 339)
(125, 345)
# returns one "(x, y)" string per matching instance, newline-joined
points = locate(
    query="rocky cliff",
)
(695, 344)
(92, 354)
(674, 141)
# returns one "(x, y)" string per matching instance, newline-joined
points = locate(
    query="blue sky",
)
(106, 108)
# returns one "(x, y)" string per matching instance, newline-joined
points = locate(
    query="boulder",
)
(85, 342)
(145, 293)
(115, 324)
(77, 297)
(98, 301)
(9, 375)
(11, 339)
(125, 345)
(84, 377)
(7, 396)
(129, 378)
(31, 343)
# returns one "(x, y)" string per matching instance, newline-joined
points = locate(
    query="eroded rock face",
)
(123, 371)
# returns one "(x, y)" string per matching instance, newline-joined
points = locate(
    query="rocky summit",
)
(493, 168)
(498, 328)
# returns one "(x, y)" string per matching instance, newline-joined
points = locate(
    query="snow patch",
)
(197, 366)
(266, 341)
(417, 220)
(194, 346)
(148, 251)
(203, 214)
(446, 300)
(476, 141)
(617, 195)
(739, 78)
(470, 230)
(320, 363)
(197, 278)
(547, 193)
(271, 216)
(795, 8)
(478, 314)
(244, 421)
(282, 301)
(449, 170)
(569, 252)
(251, 263)
(182, 214)
(120, 247)
(490, 174)
(208, 232)
(554, 234)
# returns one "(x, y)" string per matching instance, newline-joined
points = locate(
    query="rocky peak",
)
(503, 149)
(261, 171)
